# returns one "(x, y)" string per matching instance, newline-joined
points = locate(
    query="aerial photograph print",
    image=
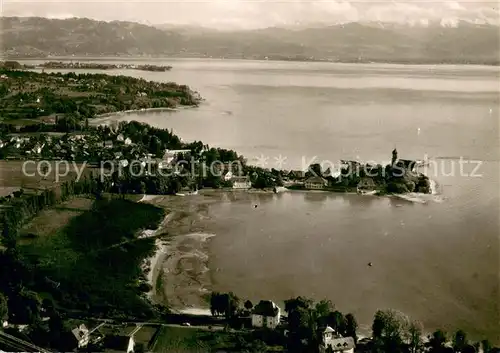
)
(250, 176)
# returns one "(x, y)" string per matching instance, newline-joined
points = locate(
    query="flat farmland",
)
(39, 174)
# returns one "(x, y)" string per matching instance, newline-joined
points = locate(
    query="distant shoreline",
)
(173, 58)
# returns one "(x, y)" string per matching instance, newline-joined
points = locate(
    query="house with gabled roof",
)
(315, 183)
(332, 342)
(81, 334)
(295, 174)
(241, 182)
(266, 314)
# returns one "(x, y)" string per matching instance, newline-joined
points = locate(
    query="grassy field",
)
(198, 340)
(145, 335)
(20, 174)
(181, 339)
(22, 122)
(73, 244)
(49, 221)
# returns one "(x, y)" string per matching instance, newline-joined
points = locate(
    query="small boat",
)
(367, 192)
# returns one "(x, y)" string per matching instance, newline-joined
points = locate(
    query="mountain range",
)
(464, 43)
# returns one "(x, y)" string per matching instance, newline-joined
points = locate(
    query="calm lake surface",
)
(437, 262)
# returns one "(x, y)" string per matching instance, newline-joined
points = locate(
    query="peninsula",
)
(46, 97)
(399, 177)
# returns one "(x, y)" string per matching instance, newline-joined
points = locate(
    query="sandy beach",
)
(181, 259)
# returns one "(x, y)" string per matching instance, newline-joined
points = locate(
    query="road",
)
(203, 328)
(214, 327)
(19, 344)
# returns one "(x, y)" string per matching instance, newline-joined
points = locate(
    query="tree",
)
(39, 332)
(314, 170)
(301, 319)
(59, 329)
(324, 307)
(468, 348)
(45, 170)
(459, 341)
(231, 302)
(351, 325)
(224, 303)
(486, 345)
(322, 310)
(336, 321)
(388, 330)
(299, 323)
(257, 346)
(295, 303)
(33, 304)
(142, 187)
(214, 303)
(437, 341)
(414, 337)
(248, 305)
(4, 309)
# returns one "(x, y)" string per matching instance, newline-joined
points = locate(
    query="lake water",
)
(437, 262)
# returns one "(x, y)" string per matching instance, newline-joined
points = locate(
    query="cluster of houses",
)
(364, 174)
(118, 148)
(266, 314)
(110, 338)
(47, 146)
(105, 337)
(58, 146)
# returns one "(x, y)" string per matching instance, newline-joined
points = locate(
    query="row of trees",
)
(395, 332)
(16, 274)
(305, 318)
(19, 210)
(224, 304)
(392, 331)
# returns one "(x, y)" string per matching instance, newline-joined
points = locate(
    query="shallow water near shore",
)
(303, 243)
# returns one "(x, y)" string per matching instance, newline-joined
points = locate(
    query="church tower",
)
(394, 156)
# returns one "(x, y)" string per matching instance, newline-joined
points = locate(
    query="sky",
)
(248, 14)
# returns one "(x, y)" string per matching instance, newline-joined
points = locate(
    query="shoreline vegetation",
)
(75, 65)
(75, 98)
(112, 242)
(102, 66)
